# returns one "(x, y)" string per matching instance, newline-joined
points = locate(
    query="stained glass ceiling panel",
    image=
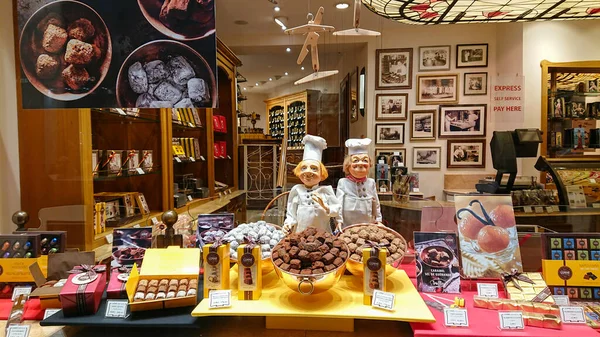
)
(433, 12)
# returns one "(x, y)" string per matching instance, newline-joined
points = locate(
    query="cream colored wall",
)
(255, 103)
(10, 197)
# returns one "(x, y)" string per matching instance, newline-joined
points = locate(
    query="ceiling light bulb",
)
(288, 49)
(270, 79)
(286, 74)
(244, 88)
(257, 84)
(302, 68)
(277, 8)
(342, 5)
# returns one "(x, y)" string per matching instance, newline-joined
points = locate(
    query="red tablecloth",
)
(32, 312)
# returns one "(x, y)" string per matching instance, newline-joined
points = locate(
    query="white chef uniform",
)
(360, 203)
(302, 210)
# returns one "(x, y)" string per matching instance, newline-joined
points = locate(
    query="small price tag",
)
(219, 299)
(511, 320)
(191, 125)
(228, 157)
(136, 226)
(202, 158)
(539, 209)
(192, 159)
(401, 164)
(121, 112)
(139, 170)
(456, 317)
(592, 181)
(50, 312)
(527, 209)
(189, 198)
(18, 331)
(572, 315)
(561, 300)
(596, 205)
(383, 300)
(549, 209)
(381, 161)
(25, 291)
(154, 221)
(109, 238)
(556, 208)
(116, 309)
(489, 290)
(177, 159)
(220, 195)
(416, 190)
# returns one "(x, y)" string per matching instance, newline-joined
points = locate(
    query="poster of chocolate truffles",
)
(437, 262)
(487, 231)
(117, 53)
(129, 246)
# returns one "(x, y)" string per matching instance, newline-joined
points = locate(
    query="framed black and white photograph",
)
(472, 55)
(422, 125)
(437, 89)
(427, 157)
(434, 58)
(389, 133)
(394, 68)
(475, 84)
(467, 120)
(391, 107)
(466, 153)
(392, 157)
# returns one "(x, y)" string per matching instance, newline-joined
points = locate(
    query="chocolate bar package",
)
(216, 266)
(112, 163)
(374, 264)
(51, 242)
(249, 272)
(436, 256)
(131, 161)
(146, 162)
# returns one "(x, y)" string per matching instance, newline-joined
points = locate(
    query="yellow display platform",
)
(343, 302)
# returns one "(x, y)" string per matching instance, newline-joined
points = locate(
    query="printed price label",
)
(177, 159)
(18, 331)
(416, 190)
(50, 312)
(25, 291)
(489, 290)
(561, 300)
(191, 125)
(202, 158)
(109, 238)
(456, 317)
(121, 112)
(139, 170)
(572, 315)
(190, 198)
(556, 208)
(219, 299)
(228, 157)
(383, 300)
(596, 205)
(136, 226)
(592, 181)
(154, 221)
(116, 309)
(527, 209)
(549, 209)
(511, 320)
(539, 209)
(192, 159)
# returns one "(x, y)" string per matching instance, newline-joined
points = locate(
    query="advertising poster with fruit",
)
(117, 54)
(488, 236)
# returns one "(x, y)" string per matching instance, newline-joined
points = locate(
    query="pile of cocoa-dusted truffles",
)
(357, 236)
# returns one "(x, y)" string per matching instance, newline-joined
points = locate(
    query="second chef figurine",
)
(356, 192)
(308, 203)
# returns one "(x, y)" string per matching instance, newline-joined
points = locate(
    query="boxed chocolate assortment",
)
(527, 287)
(146, 161)
(15, 246)
(215, 257)
(51, 242)
(120, 208)
(116, 285)
(131, 162)
(17, 253)
(249, 272)
(168, 279)
(111, 163)
(374, 271)
(535, 314)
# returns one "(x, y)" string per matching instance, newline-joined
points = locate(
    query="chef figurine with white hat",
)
(356, 192)
(311, 205)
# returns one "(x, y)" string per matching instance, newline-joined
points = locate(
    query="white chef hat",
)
(358, 146)
(313, 147)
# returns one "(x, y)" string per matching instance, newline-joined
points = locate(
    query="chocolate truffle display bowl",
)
(267, 263)
(356, 267)
(31, 48)
(164, 50)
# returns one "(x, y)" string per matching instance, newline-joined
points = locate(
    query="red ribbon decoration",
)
(89, 270)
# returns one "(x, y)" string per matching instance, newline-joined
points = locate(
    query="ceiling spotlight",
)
(277, 8)
(281, 21)
(256, 84)
(302, 68)
(288, 49)
(270, 79)
(286, 74)
(244, 88)
(342, 5)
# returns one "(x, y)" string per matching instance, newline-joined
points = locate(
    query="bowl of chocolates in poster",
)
(182, 20)
(310, 262)
(65, 50)
(356, 236)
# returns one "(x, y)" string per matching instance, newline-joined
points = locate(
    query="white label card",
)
(219, 299)
(383, 300)
(18, 331)
(25, 291)
(136, 226)
(202, 158)
(456, 317)
(596, 205)
(489, 290)
(572, 315)
(190, 124)
(139, 170)
(120, 111)
(511, 320)
(228, 157)
(556, 208)
(416, 190)
(177, 159)
(192, 159)
(190, 198)
(50, 312)
(592, 181)
(527, 209)
(549, 209)
(116, 308)
(561, 300)
(539, 209)
(154, 221)
(109, 238)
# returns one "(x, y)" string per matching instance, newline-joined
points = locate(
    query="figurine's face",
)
(359, 165)
(310, 173)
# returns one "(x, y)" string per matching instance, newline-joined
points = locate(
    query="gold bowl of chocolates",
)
(356, 236)
(310, 262)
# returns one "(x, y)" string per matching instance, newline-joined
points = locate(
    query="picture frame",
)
(462, 120)
(428, 157)
(344, 99)
(388, 154)
(466, 153)
(591, 86)
(472, 55)
(353, 95)
(475, 84)
(434, 58)
(393, 68)
(422, 125)
(391, 107)
(392, 134)
(437, 89)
